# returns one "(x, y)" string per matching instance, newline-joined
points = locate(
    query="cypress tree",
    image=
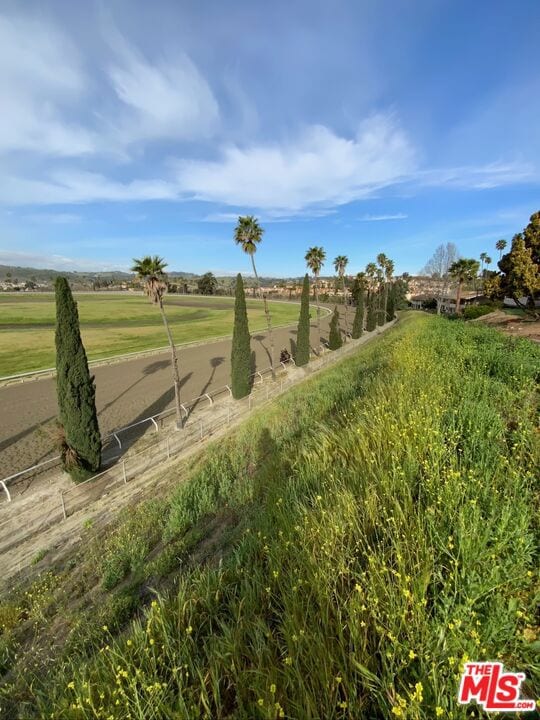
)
(372, 311)
(335, 341)
(391, 307)
(381, 312)
(241, 351)
(302, 338)
(358, 324)
(81, 446)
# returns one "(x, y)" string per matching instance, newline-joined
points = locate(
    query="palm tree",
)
(151, 270)
(248, 234)
(315, 258)
(340, 264)
(500, 245)
(483, 257)
(381, 262)
(463, 270)
(388, 272)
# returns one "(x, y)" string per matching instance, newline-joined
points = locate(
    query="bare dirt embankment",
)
(513, 325)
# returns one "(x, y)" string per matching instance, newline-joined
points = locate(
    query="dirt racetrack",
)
(126, 392)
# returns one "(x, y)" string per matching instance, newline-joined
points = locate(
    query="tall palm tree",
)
(370, 272)
(151, 270)
(483, 257)
(248, 234)
(500, 245)
(463, 270)
(315, 258)
(381, 262)
(388, 273)
(340, 264)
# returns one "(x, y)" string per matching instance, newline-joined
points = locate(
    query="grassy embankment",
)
(361, 538)
(116, 324)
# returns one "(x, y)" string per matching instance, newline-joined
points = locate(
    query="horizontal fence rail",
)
(64, 503)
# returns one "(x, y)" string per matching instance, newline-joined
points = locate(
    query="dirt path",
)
(34, 521)
(126, 392)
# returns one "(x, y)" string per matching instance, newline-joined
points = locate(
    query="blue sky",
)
(365, 126)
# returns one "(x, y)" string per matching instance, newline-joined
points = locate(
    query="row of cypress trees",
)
(241, 369)
(80, 439)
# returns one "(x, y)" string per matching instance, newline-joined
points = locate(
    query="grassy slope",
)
(112, 325)
(377, 529)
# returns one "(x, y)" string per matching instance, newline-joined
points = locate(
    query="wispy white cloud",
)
(40, 78)
(165, 99)
(320, 168)
(54, 262)
(380, 218)
(481, 177)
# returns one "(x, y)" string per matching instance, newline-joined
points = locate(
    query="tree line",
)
(517, 277)
(373, 295)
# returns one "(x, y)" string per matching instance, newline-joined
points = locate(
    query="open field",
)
(112, 324)
(126, 392)
(339, 556)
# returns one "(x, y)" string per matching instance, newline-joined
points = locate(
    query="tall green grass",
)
(380, 531)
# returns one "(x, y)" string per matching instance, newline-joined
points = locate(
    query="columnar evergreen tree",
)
(371, 323)
(241, 352)
(340, 265)
(302, 338)
(358, 323)
(81, 451)
(335, 341)
(391, 306)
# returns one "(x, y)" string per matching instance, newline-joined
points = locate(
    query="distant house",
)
(448, 302)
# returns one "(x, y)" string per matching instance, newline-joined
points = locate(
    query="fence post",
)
(168, 449)
(6, 490)
(124, 470)
(228, 415)
(63, 504)
(201, 427)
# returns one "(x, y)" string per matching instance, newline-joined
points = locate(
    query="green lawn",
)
(114, 324)
(340, 556)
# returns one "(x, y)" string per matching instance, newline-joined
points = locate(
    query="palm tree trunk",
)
(346, 309)
(385, 303)
(318, 314)
(268, 319)
(458, 296)
(176, 376)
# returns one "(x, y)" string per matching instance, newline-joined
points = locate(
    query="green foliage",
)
(475, 311)
(207, 284)
(371, 322)
(387, 535)
(240, 352)
(521, 266)
(335, 341)
(358, 323)
(81, 451)
(303, 335)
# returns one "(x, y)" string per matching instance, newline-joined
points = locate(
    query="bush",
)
(471, 312)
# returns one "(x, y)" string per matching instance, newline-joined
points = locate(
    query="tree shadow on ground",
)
(215, 362)
(259, 339)
(147, 370)
(131, 436)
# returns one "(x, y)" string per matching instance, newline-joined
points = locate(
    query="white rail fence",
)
(14, 530)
